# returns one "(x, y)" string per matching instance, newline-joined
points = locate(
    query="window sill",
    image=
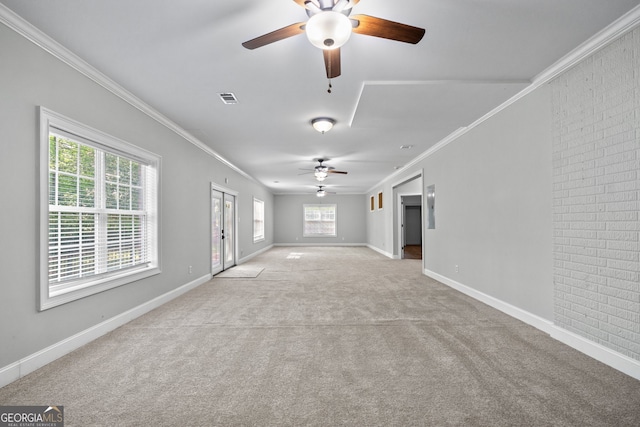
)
(72, 293)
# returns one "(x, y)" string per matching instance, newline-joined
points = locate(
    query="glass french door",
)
(229, 232)
(223, 254)
(216, 232)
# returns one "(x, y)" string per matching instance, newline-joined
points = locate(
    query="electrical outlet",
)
(456, 268)
(190, 269)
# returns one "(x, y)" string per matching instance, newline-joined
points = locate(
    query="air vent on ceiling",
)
(228, 98)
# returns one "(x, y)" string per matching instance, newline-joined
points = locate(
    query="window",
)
(319, 221)
(99, 211)
(258, 220)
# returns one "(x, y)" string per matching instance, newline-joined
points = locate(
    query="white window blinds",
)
(101, 220)
(319, 221)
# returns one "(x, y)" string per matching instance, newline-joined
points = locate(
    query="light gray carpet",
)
(330, 337)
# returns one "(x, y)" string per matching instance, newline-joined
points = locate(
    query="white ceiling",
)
(177, 56)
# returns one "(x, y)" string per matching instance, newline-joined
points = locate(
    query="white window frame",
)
(54, 294)
(258, 220)
(310, 212)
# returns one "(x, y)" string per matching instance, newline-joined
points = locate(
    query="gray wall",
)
(493, 207)
(538, 205)
(413, 200)
(351, 211)
(30, 77)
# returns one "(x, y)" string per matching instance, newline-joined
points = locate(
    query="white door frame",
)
(224, 190)
(398, 211)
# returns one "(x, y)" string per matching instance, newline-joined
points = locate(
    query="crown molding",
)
(40, 39)
(612, 32)
(431, 150)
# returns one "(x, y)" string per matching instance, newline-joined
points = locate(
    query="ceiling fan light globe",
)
(328, 29)
(320, 193)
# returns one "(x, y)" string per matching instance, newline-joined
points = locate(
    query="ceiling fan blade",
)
(332, 62)
(335, 171)
(378, 27)
(274, 36)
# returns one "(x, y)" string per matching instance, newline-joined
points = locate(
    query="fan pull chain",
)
(329, 90)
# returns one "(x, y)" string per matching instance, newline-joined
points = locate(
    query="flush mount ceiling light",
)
(323, 124)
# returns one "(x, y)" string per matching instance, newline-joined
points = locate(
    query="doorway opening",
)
(411, 227)
(408, 233)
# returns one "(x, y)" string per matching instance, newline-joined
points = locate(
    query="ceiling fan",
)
(321, 171)
(329, 27)
(321, 192)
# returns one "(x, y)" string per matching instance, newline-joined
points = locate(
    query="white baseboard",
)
(37, 360)
(318, 244)
(253, 255)
(599, 352)
(380, 251)
(592, 349)
(513, 311)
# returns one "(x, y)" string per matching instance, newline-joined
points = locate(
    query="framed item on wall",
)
(380, 200)
(431, 207)
(373, 204)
